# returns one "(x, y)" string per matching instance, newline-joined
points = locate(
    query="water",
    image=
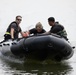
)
(33, 11)
(13, 66)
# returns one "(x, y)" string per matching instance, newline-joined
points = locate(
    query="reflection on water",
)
(32, 67)
(35, 68)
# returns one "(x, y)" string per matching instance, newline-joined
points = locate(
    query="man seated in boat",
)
(56, 28)
(14, 29)
(37, 30)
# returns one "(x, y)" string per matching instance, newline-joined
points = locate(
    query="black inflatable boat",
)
(39, 47)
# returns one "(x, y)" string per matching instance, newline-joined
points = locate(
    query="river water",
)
(12, 66)
(33, 11)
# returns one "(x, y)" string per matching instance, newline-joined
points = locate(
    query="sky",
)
(34, 11)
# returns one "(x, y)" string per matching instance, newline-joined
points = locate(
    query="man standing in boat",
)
(14, 29)
(56, 28)
(37, 30)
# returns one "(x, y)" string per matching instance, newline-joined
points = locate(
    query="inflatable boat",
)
(38, 47)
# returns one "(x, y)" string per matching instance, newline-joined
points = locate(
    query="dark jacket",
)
(59, 30)
(17, 29)
(35, 32)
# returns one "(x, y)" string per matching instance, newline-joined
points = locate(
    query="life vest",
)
(62, 33)
(7, 33)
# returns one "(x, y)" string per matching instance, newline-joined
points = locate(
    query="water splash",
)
(11, 59)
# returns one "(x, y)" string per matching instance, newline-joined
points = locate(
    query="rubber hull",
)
(42, 47)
